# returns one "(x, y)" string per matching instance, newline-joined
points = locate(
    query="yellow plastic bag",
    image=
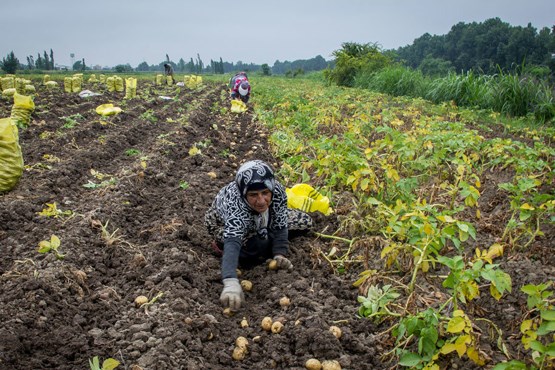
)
(237, 106)
(307, 199)
(10, 155)
(111, 84)
(108, 110)
(22, 108)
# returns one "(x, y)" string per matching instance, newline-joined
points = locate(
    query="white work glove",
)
(283, 263)
(232, 295)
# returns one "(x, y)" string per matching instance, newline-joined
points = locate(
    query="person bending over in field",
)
(168, 71)
(240, 87)
(250, 223)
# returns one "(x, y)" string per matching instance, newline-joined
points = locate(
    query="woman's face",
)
(259, 200)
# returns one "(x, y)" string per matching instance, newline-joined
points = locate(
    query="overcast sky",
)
(114, 32)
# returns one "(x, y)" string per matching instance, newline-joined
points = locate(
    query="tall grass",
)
(395, 80)
(517, 96)
(513, 95)
(468, 90)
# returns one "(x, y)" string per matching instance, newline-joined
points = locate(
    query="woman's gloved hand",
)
(232, 295)
(283, 263)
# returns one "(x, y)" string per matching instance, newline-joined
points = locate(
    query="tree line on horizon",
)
(482, 47)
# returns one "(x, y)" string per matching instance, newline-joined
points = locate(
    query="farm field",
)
(441, 216)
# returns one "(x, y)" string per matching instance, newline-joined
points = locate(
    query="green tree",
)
(79, 65)
(181, 65)
(39, 63)
(52, 59)
(200, 65)
(142, 67)
(266, 71)
(435, 67)
(10, 63)
(30, 62)
(123, 68)
(354, 58)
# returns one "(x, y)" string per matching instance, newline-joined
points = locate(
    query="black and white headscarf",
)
(230, 215)
(254, 172)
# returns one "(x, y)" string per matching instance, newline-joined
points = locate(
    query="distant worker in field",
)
(250, 223)
(168, 71)
(240, 87)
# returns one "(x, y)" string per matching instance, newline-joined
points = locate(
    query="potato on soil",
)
(266, 323)
(277, 327)
(140, 300)
(244, 323)
(336, 331)
(272, 265)
(331, 365)
(228, 312)
(239, 353)
(246, 285)
(284, 302)
(313, 364)
(241, 342)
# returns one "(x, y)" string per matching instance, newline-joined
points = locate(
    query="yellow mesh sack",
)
(10, 155)
(76, 83)
(51, 84)
(68, 82)
(305, 198)
(22, 108)
(130, 88)
(159, 79)
(111, 84)
(8, 93)
(7, 82)
(118, 83)
(45, 79)
(30, 89)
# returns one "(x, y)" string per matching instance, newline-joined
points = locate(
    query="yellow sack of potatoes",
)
(23, 106)
(68, 82)
(108, 110)
(20, 85)
(51, 84)
(45, 79)
(30, 89)
(10, 155)
(111, 84)
(159, 79)
(76, 83)
(118, 83)
(7, 82)
(8, 93)
(307, 199)
(237, 106)
(130, 88)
